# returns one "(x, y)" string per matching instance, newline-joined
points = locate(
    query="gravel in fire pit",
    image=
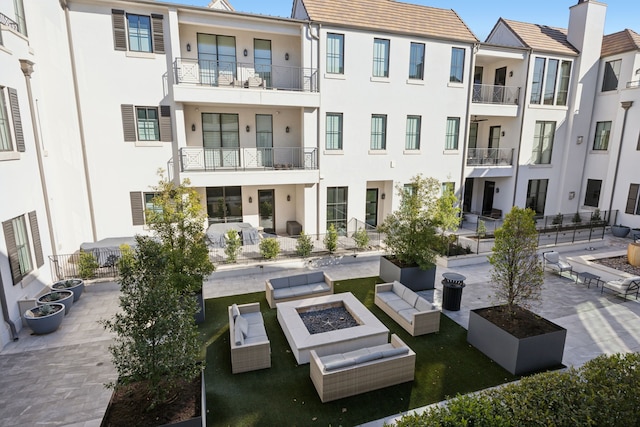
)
(326, 320)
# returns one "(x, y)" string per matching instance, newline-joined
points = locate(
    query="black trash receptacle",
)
(451, 295)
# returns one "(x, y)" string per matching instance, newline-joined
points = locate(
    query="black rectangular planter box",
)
(516, 355)
(412, 277)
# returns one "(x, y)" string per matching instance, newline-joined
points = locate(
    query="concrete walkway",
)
(57, 379)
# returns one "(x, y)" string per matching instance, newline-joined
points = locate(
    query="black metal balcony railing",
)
(633, 84)
(491, 94)
(245, 75)
(490, 157)
(196, 159)
(5, 20)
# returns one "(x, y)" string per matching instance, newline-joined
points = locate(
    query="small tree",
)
(482, 229)
(178, 219)
(516, 271)
(411, 231)
(87, 265)
(233, 245)
(269, 248)
(361, 238)
(156, 340)
(331, 239)
(304, 246)
(446, 213)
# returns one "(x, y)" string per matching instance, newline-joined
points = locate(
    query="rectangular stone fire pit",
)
(369, 332)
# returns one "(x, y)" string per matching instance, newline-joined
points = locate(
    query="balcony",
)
(245, 75)
(5, 20)
(490, 157)
(634, 84)
(491, 100)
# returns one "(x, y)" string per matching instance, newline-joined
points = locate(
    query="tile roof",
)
(542, 37)
(392, 16)
(622, 41)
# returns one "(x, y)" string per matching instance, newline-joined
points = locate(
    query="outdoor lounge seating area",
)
(370, 368)
(300, 286)
(553, 261)
(623, 287)
(250, 347)
(415, 314)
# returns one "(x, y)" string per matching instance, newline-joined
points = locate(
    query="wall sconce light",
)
(248, 128)
(288, 198)
(497, 190)
(188, 47)
(246, 52)
(502, 133)
(287, 129)
(572, 195)
(511, 73)
(250, 199)
(382, 196)
(580, 139)
(286, 56)
(193, 127)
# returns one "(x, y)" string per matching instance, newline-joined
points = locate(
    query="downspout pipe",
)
(625, 105)
(64, 4)
(5, 312)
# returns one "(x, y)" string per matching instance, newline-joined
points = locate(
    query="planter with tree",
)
(411, 236)
(514, 337)
(74, 285)
(61, 296)
(45, 318)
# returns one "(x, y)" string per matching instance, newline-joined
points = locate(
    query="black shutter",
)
(128, 122)
(158, 33)
(137, 208)
(119, 29)
(35, 236)
(17, 122)
(12, 252)
(166, 135)
(631, 199)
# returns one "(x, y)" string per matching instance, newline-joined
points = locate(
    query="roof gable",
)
(538, 37)
(620, 42)
(392, 16)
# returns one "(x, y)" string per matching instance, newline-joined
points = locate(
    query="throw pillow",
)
(243, 325)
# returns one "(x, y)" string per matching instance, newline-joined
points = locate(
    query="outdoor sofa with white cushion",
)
(300, 286)
(409, 310)
(625, 286)
(346, 374)
(250, 346)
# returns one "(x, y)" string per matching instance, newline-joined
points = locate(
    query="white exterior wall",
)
(358, 95)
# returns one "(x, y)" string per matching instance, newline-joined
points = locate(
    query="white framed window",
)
(11, 134)
(452, 133)
(416, 61)
(335, 53)
(333, 140)
(5, 130)
(601, 140)
(148, 124)
(137, 33)
(611, 75)
(456, 74)
(412, 138)
(379, 132)
(24, 247)
(550, 82)
(543, 142)
(337, 208)
(381, 57)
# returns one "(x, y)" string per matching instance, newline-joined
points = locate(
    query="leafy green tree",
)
(304, 245)
(331, 239)
(447, 212)
(177, 220)
(411, 231)
(233, 245)
(87, 265)
(269, 248)
(361, 237)
(156, 340)
(516, 270)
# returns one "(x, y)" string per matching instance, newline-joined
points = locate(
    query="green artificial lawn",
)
(284, 395)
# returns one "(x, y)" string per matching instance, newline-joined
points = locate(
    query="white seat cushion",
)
(388, 296)
(398, 304)
(253, 318)
(256, 330)
(407, 314)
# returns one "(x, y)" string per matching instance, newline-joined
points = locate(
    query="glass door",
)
(216, 59)
(221, 140)
(266, 210)
(262, 60)
(371, 207)
(264, 139)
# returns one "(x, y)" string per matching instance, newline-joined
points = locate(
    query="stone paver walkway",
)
(57, 379)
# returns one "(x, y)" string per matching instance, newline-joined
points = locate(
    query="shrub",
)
(269, 248)
(87, 265)
(603, 392)
(557, 220)
(361, 237)
(233, 244)
(331, 239)
(304, 246)
(596, 215)
(577, 218)
(482, 229)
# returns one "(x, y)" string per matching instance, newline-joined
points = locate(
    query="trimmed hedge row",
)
(603, 392)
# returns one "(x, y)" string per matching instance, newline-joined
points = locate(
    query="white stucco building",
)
(315, 119)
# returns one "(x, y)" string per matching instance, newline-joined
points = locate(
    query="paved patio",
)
(57, 379)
